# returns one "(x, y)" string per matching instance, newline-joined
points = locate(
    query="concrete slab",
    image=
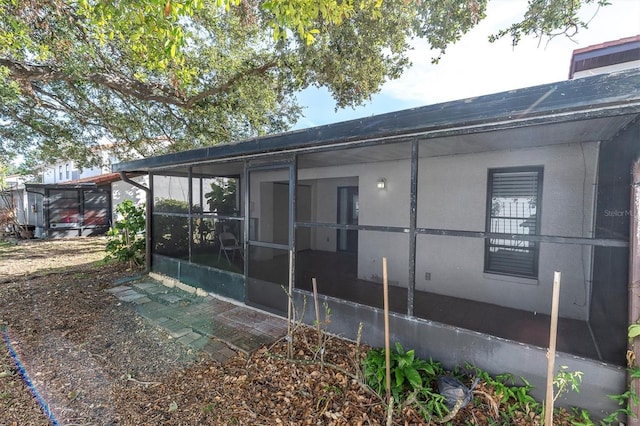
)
(157, 289)
(219, 351)
(152, 310)
(172, 325)
(270, 329)
(161, 320)
(129, 295)
(145, 285)
(180, 332)
(222, 332)
(247, 342)
(170, 298)
(219, 306)
(189, 338)
(237, 324)
(142, 300)
(200, 343)
(215, 326)
(118, 289)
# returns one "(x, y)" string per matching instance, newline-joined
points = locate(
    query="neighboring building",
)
(72, 202)
(606, 57)
(82, 207)
(475, 203)
(67, 171)
(73, 209)
(17, 216)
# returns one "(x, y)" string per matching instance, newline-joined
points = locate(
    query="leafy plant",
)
(209, 408)
(513, 399)
(634, 331)
(170, 233)
(126, 239)
(429, 403)
(407, 371)
(623, 401)
(566, 380)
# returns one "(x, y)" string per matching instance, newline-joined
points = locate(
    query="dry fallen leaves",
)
(97, 362)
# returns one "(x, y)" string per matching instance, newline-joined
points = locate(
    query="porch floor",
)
(336, 275)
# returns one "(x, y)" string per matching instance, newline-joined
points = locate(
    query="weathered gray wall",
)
(455, 347)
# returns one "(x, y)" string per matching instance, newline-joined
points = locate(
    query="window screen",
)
(513, 207)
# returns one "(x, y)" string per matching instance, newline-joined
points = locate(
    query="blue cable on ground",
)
(27, 380)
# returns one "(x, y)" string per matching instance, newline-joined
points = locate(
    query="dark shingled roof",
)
(606, 95)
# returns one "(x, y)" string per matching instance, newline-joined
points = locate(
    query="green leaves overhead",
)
(549, 19)
(155, 76)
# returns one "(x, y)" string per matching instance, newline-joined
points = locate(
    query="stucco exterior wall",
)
(324, 201)
(455, 265)
(452, 193)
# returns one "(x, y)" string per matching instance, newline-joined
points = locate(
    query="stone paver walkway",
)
(215, 326)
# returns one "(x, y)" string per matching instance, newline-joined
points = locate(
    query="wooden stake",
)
(551, 355)
(387, 353)
(315, 302)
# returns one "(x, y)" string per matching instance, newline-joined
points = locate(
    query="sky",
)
(474, 67)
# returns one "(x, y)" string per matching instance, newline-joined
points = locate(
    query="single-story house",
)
(475, 203)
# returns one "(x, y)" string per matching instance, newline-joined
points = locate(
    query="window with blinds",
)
(513, 207)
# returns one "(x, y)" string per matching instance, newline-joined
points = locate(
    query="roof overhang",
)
(589, 109)
(102, 179)
(31, 186)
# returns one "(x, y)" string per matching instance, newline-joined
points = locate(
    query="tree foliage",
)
(154, 76)
(222, 198)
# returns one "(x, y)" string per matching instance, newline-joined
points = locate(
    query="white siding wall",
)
(121, 191)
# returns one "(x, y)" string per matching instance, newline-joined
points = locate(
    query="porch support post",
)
(634, 289)
(190, 210)
(147, 222)
(293, 182)
(413, 222)
(247, 220)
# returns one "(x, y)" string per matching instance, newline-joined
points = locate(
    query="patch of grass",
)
(7, 246)
(80, 275)
(209, 408)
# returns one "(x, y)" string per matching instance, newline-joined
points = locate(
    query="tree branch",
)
(143, 91)
(230, 83)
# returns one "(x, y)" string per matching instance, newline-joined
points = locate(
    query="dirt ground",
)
(94, 361)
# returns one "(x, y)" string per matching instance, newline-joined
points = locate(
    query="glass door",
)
(348, 211)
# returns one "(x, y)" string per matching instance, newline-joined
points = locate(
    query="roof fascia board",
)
(61, 186)
(606, 51)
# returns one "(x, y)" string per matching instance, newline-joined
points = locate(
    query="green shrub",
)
(170, 233)
(126, 238)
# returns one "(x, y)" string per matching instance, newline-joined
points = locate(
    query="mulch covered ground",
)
(94, 361)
